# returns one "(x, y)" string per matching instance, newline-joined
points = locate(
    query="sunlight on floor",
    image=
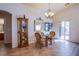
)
(62, 41)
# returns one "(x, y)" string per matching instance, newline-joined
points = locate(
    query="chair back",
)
(39, 43)
(38, 36)
(52, 34)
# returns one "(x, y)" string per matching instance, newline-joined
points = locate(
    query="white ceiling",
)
(56, 7)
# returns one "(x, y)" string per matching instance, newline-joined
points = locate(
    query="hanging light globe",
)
(49, 13)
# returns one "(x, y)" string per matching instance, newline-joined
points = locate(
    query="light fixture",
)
(67, 4)
(49, 13)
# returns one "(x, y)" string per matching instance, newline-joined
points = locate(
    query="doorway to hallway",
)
(1, 32)
(5, 29)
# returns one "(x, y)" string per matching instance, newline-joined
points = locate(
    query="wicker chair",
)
(38, 43)
(52, 37)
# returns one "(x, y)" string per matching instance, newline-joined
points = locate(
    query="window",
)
(64, 30)
(38, 27)
(41, 25)
(48, 26)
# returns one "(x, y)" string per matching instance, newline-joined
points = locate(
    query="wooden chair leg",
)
(50, 41)
(46, 43)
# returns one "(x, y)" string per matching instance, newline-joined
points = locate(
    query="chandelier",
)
(49, 13)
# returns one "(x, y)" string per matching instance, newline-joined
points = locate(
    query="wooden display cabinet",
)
(22, 31)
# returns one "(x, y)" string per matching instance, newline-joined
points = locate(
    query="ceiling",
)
(56, 7)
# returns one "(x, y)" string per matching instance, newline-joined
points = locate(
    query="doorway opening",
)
(5, 29)
(1, 31)
(64, 30)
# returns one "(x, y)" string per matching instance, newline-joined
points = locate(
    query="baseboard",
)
(72, 41)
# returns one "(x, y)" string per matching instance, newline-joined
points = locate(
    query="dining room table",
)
(46, 38)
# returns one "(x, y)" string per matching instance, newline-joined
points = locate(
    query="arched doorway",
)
(6, 29)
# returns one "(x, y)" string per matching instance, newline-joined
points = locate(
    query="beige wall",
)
(16, 10)
(71, 14)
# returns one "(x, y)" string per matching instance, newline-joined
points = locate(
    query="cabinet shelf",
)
(22, 32)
